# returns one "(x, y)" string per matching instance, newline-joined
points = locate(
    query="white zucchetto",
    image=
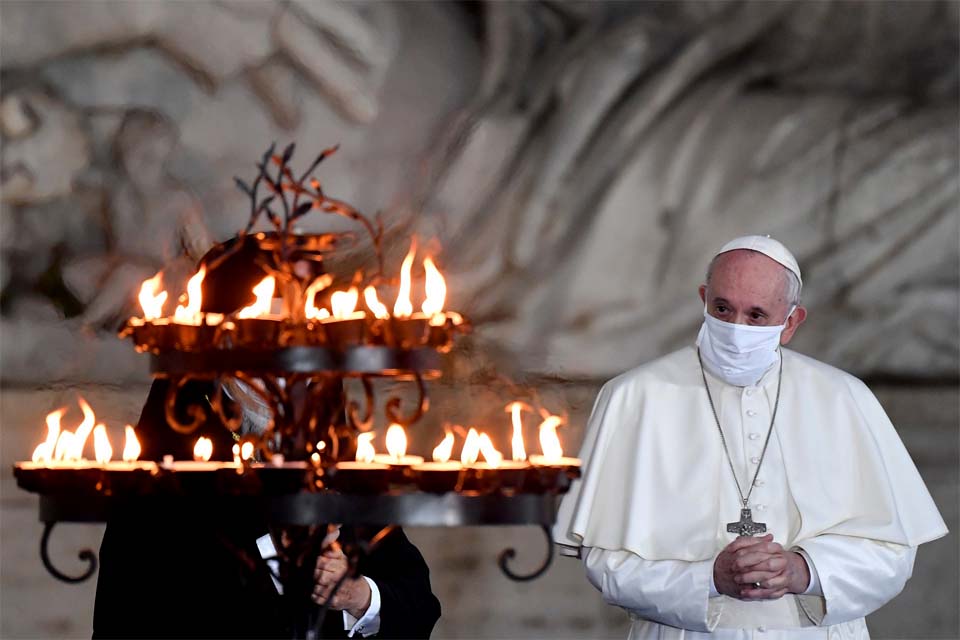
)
(768, 247)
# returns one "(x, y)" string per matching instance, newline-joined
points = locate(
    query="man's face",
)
(749, 288)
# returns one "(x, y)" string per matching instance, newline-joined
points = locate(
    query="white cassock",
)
(650, 513)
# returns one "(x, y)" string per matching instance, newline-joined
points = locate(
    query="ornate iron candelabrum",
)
(289, 355)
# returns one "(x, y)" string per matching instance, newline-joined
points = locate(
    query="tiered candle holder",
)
(302, 471)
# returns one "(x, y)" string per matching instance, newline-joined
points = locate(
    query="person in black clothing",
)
(170, 570)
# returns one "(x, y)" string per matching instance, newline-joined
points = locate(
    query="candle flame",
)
(203, 449)
(246, 450)
(264, 292)
(44, 451)
(490, 453)
(344, 303)
(443, 451)
(396, 441)
(188, 312)
(471, 447)
(403, 308)
(310, 309)
(549, 442)
(519, 451)
(365, 450)
(101, 444)
(64, 446)
(373, 303)
(131, 445)
(79, 439)
(436, 288)
(152, 298)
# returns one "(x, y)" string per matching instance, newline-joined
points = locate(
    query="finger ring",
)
(756, 585)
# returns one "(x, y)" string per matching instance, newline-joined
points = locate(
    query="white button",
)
(761, 507)
(751, 412)
(749, 392)
(755, 460)
(754, 436)
(758, 483)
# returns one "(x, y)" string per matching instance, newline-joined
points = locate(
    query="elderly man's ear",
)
(793, 323)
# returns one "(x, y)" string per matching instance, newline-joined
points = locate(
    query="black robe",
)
(173, 571)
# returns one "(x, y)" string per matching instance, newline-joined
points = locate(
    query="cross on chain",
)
(746, 526)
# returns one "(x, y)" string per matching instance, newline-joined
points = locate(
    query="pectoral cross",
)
(746, 526)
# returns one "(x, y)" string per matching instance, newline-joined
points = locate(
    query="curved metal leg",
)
(508, 554)
(85, 555)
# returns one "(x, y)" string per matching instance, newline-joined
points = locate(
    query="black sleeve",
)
(408, 608)
(170, 572)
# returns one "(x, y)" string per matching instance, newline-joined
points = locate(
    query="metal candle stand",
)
(296, 367)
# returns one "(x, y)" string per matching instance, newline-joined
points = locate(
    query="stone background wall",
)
(577, 162)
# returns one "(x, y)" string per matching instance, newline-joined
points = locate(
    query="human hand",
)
(353, 596)
(776, 571)
(724, 571)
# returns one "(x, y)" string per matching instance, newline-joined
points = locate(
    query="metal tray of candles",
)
(405, 509)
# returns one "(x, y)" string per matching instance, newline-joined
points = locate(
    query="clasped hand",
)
(747, 562)
(353, 596)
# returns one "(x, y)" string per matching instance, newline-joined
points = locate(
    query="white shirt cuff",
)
(813, 589)
(713, 587)
(369, 624)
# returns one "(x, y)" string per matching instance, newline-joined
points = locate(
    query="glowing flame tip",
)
(203, 450)
(365, 450)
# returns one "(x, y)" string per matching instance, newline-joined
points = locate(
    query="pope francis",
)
(735, 489)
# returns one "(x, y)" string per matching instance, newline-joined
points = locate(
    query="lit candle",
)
(397, 448)
(494, 473)
(202, 452)
(441, 475)
(550, 446)
(362, 475)
(131, 451)
(346, 326)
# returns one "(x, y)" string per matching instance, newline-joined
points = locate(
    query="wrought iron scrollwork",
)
(195, 411)
(508, 554)
(392, 407)
(364, 423)
(85, 555)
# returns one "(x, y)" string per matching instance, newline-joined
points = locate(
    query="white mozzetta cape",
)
(656, 481)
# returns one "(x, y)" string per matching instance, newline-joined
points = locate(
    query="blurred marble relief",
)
(578, 162)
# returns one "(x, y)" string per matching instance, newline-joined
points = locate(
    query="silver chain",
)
(723, 440)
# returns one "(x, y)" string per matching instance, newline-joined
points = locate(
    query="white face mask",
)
(738, 353)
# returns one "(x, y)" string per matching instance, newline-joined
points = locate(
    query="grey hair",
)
(791, 283)
(254, 411)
